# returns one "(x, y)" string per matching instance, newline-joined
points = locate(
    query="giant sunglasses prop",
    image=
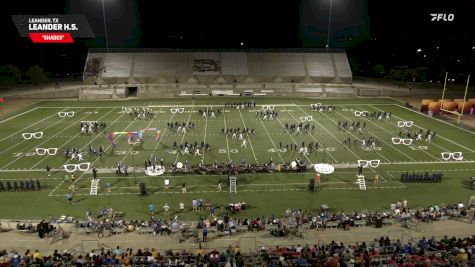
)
(307, 118)
(453, 155)
(398, 141)
(66, 114)
(42, 151)
(365, 163)
(405, 124)
(177, 110)
(267, 107)
(28, 136)
(77, 167)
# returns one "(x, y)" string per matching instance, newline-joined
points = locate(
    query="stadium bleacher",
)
(281, 71)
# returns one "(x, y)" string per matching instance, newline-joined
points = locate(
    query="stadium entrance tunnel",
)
(131, 91)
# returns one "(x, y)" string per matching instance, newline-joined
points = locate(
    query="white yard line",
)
(250, 143)
(183, 137)
(29, 126)
(71, 139)
(226, 129)
(437, 120)
(313, 137)
(387, 143)
(338, 141)
(206, 128)
(72, 124)
(18, 115)
(272, 141)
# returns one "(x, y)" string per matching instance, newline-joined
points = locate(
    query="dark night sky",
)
(373, 31)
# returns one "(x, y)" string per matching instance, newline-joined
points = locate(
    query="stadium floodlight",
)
(453, 155)
(398, 141)
(329, 24)
(105, 25)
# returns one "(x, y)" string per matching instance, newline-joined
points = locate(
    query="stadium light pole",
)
(329, 23)
(105, 25)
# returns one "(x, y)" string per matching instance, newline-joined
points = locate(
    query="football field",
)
(265, 193)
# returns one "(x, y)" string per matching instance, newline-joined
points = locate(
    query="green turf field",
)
(269, 193)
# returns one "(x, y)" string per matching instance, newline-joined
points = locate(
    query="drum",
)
(130, 228)
(179, 165)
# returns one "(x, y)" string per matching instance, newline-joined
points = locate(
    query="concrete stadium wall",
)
(46, 93)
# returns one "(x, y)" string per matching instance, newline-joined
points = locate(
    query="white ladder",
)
(361, 182)
(232, 184)
(94, 187)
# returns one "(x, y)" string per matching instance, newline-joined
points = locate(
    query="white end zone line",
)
(18, 115)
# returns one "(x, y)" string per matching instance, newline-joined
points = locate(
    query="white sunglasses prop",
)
(66, 114)
(453, 155)
(405, 123)
(365, 163)
(28, 136)
(398, 141)
(74, 167)
(363, 113)
(42, 151)
(177, 110)
(307, 118)
(317, 105)
(268, 107)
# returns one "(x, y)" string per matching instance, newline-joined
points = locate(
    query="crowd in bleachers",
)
(380, 252)
(93, 67)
